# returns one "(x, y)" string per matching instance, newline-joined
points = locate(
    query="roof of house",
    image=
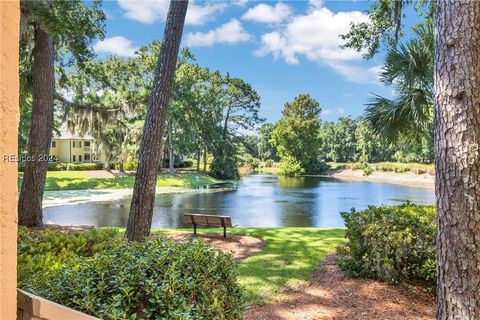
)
(65, 134)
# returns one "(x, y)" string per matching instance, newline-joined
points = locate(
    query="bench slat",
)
(208, 220)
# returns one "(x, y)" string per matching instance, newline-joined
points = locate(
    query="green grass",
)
(290, 257)
(78, 180)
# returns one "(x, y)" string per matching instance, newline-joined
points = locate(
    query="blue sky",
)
(282, 48)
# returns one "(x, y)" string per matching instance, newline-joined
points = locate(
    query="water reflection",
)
(259, 201)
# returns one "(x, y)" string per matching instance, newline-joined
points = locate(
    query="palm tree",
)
(409, 69)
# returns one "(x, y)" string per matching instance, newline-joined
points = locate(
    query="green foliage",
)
(290, 166)
(269, 163)
(56, 166)
(338, 140)
(265, 148)
(43, 252)
(390, 243)
(248, 161)
(156, 279)
(296, 134)
(224, 164)
(410, 70)
(384, 26)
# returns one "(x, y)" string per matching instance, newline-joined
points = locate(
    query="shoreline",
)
(72, 197)
(405, 179)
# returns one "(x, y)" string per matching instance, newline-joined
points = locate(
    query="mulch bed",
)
(240, 246)
(330, 294)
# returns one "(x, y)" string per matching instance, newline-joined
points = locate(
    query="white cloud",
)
(315, 36)
(149, 11)
(229, 33)
(356, 73)
(341, 111)
(146, 11)
(119, 45)
(268, 14)
(198, 15)
(326, 112)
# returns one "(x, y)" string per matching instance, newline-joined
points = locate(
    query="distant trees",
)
(265, 148)
(141, 209)
(457, 161)
(296, 134)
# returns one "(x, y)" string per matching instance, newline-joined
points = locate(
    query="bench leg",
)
(194, 229)
(224, 232)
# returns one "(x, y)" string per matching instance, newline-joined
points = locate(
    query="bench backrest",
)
(208, 220)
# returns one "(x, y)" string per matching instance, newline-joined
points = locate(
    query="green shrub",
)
(289, 166)
(316, 167)
(155, 279)
(56, 166)
(368, 171)
(269, 163)
(43, 252)
(390, 243)
(82, 166)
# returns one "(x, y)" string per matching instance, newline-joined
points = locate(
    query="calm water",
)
(259, 201)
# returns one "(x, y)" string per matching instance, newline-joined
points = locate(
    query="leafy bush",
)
(390, 243)
(316, 167)
(55, 166)
(82, 166)
(155, 279)
(289, 166)
(269, 163)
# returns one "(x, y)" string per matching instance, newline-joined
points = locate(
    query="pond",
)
(259, 201)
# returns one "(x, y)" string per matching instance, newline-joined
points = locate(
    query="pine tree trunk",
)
(31, 194)
(457, 159)
(171, 156)
(141, 209)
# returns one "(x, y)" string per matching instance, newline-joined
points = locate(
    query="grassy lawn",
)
(78, 180)
(289, 259)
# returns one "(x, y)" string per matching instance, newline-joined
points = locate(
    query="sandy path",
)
(407, 179)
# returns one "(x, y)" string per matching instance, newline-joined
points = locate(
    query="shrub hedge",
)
(113, 279)
(390, 243)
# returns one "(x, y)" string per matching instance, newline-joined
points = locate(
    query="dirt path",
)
(332, 295)
(241, 246)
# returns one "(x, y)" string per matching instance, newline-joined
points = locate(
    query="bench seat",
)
(208, 220)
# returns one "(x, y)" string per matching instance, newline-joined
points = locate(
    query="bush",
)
(269, 163)
(289, 166)
(316, 167)
(155, 279)
(56, 167)
(390, 243)
(82, 166)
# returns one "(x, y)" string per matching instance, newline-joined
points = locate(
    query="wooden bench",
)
(209, 221)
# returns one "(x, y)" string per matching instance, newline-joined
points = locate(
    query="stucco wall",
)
(9, 33)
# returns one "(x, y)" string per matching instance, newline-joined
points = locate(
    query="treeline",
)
(302, 142)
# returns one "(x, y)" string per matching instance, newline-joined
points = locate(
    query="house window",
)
(54, 144)
(79, 158)
(73, 144)
(87, 157)
(87, 143)
(80, 144)
(74, 158)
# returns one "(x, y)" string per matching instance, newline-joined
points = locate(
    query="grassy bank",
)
(78, 180)
(289, 258)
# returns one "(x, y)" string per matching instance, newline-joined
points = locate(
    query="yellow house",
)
(68, 147)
